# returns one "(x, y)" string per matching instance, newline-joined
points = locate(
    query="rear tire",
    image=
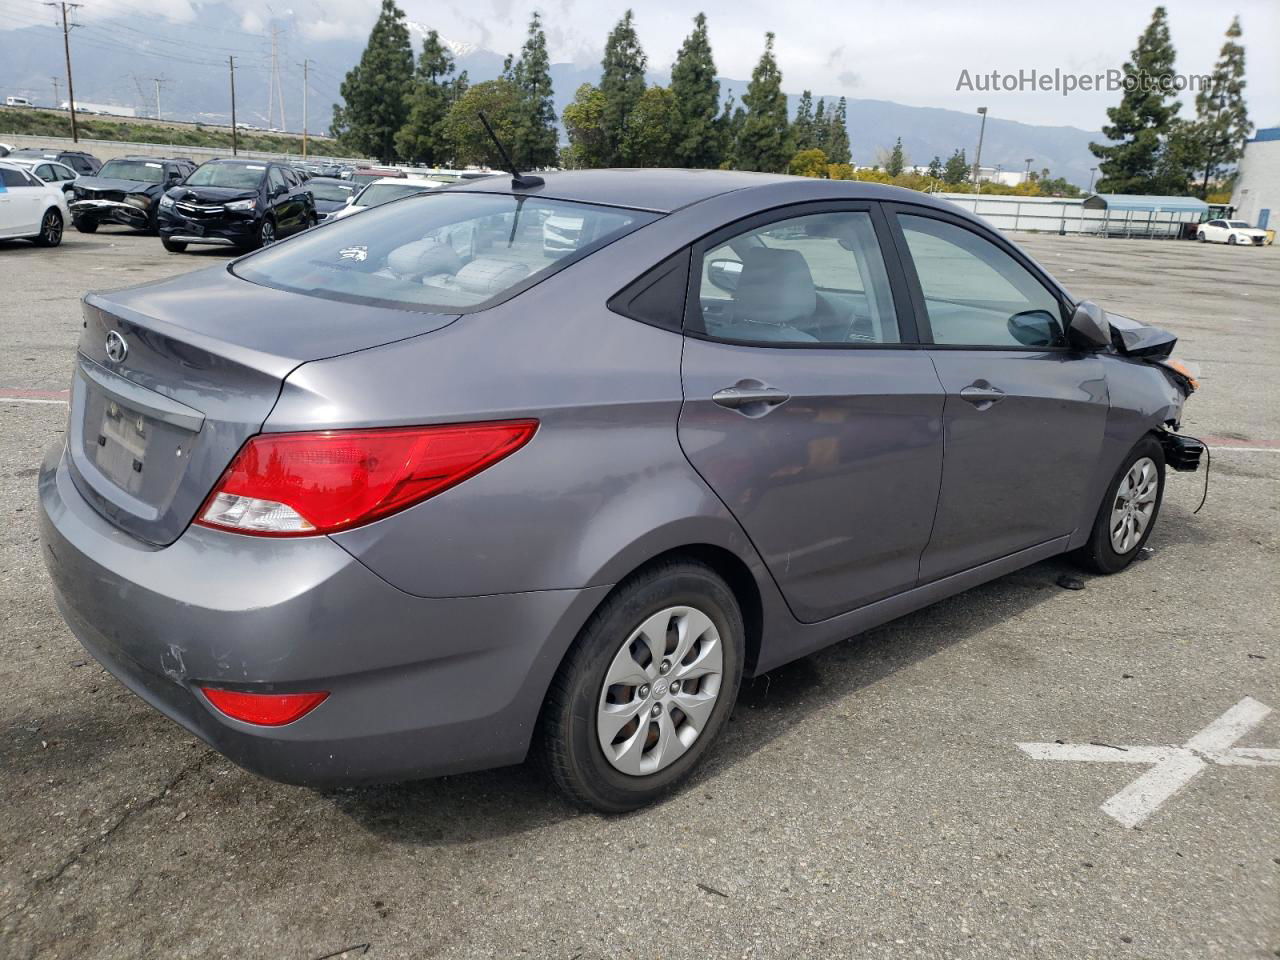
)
(50, 234)
(1128, 512)
(1200, 236)
(685, 612)
(173, 246)
(85, 225)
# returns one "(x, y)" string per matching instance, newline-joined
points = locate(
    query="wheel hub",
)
(1134, 505)
(660, 690)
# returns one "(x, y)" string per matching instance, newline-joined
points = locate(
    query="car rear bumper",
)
(418, 687)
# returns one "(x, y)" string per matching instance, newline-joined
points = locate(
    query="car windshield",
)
(330, 191)
(142, 170)
(1237, 225)
(377, 194)
(243, 176)
(439, 251)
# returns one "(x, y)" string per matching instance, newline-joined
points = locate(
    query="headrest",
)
(775, 286)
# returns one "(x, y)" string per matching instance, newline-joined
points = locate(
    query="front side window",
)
(143, 171)
(817, 279)
(240, 176)
(977, 295)
(439, 252)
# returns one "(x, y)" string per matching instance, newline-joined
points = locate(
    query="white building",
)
(1256, 197)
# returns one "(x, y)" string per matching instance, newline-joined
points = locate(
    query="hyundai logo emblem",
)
(117, 348)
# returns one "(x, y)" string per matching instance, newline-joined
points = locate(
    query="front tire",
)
(85, 225)
(645, 689)
(266, 234)
(173, 246)
(1128, 512)
(1231, 241)
(50, 234)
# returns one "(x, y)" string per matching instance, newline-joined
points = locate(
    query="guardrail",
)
(106, 149)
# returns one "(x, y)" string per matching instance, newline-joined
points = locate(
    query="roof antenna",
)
(518, 179)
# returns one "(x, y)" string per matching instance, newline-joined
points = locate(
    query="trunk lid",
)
(154, 426)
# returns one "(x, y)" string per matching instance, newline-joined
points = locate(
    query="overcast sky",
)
(910, 52)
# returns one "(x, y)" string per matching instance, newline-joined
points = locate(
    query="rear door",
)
(1025, 413)
(808, 408)
(20, 203)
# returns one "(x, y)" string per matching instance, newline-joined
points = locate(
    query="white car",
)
(384, 190)
(50, 171)
(30, 208)
(1230, 231)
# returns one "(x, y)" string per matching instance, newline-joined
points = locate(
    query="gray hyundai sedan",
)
(547, 468)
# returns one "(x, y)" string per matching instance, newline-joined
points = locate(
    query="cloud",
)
(848, 79)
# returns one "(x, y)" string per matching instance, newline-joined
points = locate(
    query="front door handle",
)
(982, 394)
(750, 397)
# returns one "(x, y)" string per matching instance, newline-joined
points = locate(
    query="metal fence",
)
(1068, 215)
(107, 149)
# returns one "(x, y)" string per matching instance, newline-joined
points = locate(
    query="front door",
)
(1025, 413)
(808, 409)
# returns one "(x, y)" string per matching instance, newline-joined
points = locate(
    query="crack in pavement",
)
(103, 838)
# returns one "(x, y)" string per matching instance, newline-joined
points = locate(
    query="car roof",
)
(337, 181)
(665, 191)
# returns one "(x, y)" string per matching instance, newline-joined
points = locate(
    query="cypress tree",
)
(422, 138)
(1222, 121)
(728, 127)
(375, 93)
(802, 125)
(1143, 117)
(935, 168)
(622, 84)
(821, 126)
(837, 148)
(696, 141)
(536, 142)
(897, 160)
(765, 140)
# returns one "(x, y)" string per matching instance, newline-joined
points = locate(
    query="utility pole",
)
(977, 161)
(305, 63)
(66, 47)
(56, 99)
(1092, 171)
(158, 81)
(235, 138)
(1027, 176)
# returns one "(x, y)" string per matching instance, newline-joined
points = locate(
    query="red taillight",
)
(264, 709)
(301, 484)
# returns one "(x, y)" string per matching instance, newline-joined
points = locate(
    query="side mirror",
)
(1036, 328)
(724, 274)
(1089, 327)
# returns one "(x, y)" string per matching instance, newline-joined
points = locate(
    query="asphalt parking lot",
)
(871, 801)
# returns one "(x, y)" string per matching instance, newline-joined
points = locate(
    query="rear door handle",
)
(741, 396)
(982, 394)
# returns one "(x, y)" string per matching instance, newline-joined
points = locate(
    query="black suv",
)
(126, 190)
(235, 203)
(84, 164)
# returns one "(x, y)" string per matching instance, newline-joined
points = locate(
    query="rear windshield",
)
(439, 252)
(377, 194)
(244, 176)
(143, 170)
(330, 191)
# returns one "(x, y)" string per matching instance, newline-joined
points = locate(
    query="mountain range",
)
(118, 61)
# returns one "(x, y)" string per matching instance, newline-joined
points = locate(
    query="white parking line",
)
(1174, 767)
(29, 400)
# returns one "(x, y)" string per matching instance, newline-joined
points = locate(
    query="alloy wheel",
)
(52, 228)
(1134, 505)
(267, 233)
(660, 690)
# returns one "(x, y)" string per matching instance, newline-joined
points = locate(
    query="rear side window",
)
(13, 178)
(976, 294)
(818, 280)
(440, 252)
